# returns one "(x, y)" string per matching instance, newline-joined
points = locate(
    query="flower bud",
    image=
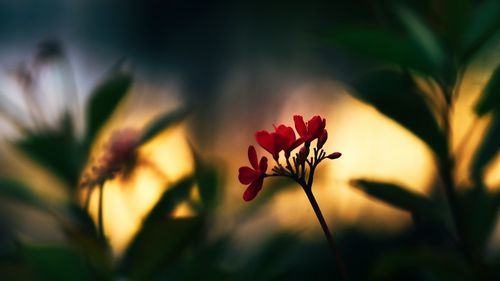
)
(303, 153)
(322, 139)
(334, 155)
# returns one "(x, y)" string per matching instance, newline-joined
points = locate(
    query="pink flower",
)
(254, 176)
(119, 151)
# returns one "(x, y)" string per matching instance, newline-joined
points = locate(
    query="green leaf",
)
(54, 263)
(423, 37)
(487, 150)
(478, 223)
(454, 15)
(170, 199)
(104, 99)
(81, 232)
(381, 44)
(435, 264)
(55, 149)
(490, 96)
(482, 26)
(161, 238)
(401, 198)
(395, 94)
(162, 123)
(157, 245)
(208, 182)
(14, 190)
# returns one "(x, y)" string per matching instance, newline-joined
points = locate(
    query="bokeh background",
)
(240, 66)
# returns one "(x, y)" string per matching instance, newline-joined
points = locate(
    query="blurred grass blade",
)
(401, 198)
(16, 191)
(380, 44)
(54, 263)
(482, 26)
(440, 264)
(394, 94)
(104, 99)
(423, 37)
(487, 150)
(163, 122)
(490, 96)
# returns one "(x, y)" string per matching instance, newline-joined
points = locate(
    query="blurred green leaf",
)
(381, 44)
(157, 245)
(16, 270)
(487, 149)
(454, 15)
(104, 99)
(81, 232)
(163, 122)
(423, 37)
(478, 222)
(484, 23)
(14, 190)
(490, 96)
(401, 198)
(435, 264)
(395, 94)
(174, 195)
(161, 238)
(208, 182)
(271, 259)
(55, 149)
(54, 263)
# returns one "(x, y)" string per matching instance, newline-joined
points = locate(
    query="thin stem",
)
(100, 220)
(326, 231)
(86, 203)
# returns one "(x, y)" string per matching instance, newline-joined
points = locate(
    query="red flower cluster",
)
(284, 139)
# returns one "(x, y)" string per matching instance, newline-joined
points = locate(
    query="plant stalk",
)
(336, 252)
(100, 220)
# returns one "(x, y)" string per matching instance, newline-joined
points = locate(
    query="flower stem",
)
(324, 226)
(100, 212)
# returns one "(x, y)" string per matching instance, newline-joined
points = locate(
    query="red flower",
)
(290, 142)
(283, 138)
(253, 175)
(272, 142)
(311, 130)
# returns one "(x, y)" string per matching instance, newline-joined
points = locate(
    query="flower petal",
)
(280, 143)
(296, 143)
(322, 139)
(286, 132)
(252, 157)
(266, 140)
(300, 126)
(263, 165)
(315, 126)
(253, 189)
(247, 175)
